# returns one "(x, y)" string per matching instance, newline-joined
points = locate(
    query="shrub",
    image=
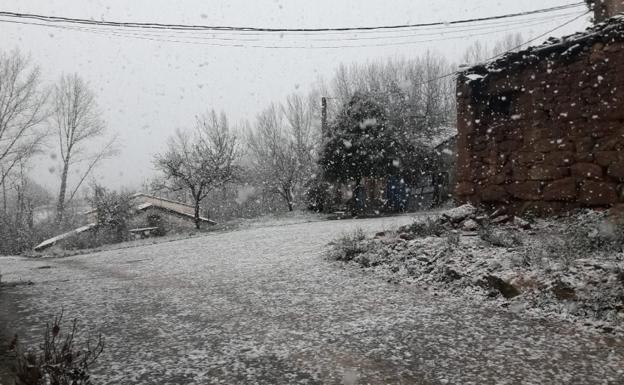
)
(156, 220)
(113, 211)
(427, 228)
(348, 246)
(57, 361)
(597, 234)
(317, 195)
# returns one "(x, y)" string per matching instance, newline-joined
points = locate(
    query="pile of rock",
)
(468, 218)
(571, 267)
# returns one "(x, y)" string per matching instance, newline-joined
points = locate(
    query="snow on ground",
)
(571, 268)
(263, 306)
(281, 219)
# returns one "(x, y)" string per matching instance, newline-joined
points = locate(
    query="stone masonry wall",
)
(544, 137)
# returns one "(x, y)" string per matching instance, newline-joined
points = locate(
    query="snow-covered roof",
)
(149, 196)
(438, 136)
(554, 48)
(181, 209)
(52, 241)
(146, 205)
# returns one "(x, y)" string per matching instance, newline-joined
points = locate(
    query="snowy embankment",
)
(570, 267)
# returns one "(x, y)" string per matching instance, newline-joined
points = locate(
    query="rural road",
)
(262, 306)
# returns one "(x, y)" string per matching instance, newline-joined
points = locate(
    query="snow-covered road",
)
(262, 306)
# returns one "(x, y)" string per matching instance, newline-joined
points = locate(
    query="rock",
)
(493, 193)
(500, 219)
(528, 191)
(521, 223)
(380, 234)
(470, 225)
(458, 214)
(594, 193)
(616, 170)
(464, 188)
(450, 275)
(544, 172)
(506, 289)
(494, 265)
(587, 170)
(561, 190)
(606, 158)
(563, 291)
(498, 212)
(481, 218)
(407, 236)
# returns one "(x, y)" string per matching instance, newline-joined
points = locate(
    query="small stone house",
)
(150, 211)
(542, 130)
(150, 215)
(169, 215)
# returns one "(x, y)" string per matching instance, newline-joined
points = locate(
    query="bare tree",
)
(283, 148)
(415, 93)
(479, 52)
(77, 122)
(202, 160)
(22, 110)
(509, 43)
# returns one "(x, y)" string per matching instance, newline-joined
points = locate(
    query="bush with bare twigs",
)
(57, 361)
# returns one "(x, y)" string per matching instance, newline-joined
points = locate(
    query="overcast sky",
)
(146, 89)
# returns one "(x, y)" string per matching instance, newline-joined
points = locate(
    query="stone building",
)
(603, 9)
(149, 215)
(542, 130)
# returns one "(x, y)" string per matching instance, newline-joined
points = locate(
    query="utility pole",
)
(324, 115)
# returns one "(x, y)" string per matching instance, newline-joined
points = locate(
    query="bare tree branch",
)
(201, 160)
(22, 110)
(77, 121)
(283, 148)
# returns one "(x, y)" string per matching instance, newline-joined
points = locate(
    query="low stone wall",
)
(170, 223)
(544, 136)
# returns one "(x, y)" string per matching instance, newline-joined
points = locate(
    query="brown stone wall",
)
(604, 9)
(545, 136)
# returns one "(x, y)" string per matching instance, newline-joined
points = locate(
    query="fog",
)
(146, 89)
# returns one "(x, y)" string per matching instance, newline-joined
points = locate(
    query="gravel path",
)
(262, 306)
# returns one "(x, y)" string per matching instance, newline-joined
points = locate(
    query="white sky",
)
(147, 89)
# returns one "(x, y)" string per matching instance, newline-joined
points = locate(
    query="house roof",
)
(142, 198)
(437, 136)
(52, 241)
(144, 195)
(147, 205)
(142, 202)
(563, 48)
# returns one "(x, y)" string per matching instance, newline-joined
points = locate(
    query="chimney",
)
(605, 9)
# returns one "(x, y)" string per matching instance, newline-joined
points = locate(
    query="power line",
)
(216, 41)
(355, 37)
(161, 26)
(532, 40)
(540, 36)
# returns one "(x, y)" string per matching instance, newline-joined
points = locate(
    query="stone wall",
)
(170, 222)
(604, 9)
(547, 135)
